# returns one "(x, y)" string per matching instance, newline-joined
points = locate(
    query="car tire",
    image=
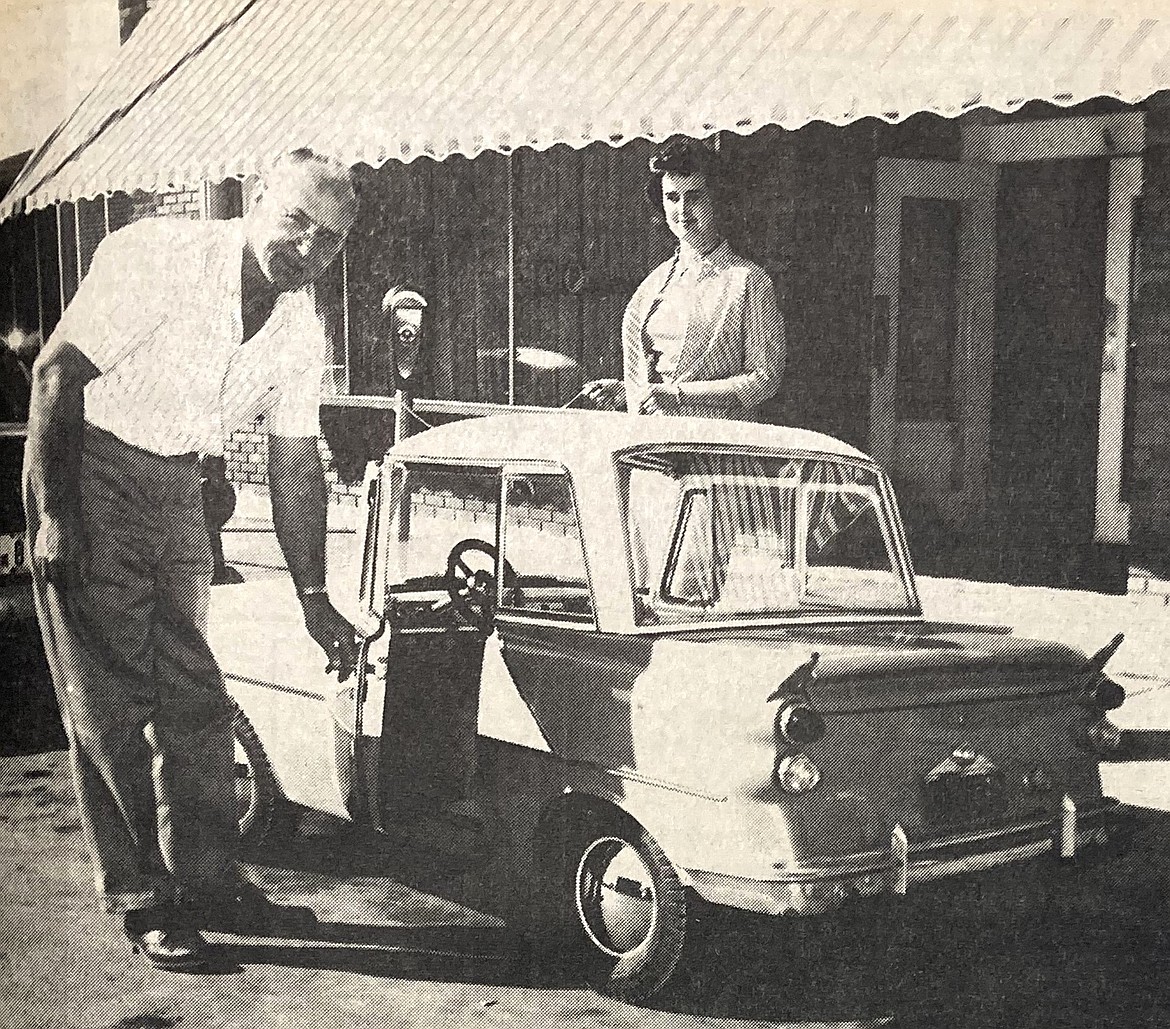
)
(621, 911)
(258, 800)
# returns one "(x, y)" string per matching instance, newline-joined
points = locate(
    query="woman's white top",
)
(698, 318)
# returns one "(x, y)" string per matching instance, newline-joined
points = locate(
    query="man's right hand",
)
(60, 549)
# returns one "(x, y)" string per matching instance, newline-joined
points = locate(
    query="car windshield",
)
(719, 536)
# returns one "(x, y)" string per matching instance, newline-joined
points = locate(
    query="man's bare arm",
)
(296, 480)
(55, 428)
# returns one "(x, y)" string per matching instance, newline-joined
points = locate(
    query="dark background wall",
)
(1148, 470)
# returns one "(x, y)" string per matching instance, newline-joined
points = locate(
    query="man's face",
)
(299, 225)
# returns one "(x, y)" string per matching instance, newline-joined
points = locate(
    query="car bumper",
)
(815, 889)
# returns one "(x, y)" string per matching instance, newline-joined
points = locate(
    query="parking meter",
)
(402, 312)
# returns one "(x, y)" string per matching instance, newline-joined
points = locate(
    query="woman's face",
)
(689, 209)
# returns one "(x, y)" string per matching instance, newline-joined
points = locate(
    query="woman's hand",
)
(661, 398)
(605, 394)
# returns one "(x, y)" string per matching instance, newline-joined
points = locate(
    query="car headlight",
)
(799, 725)
(797, 774)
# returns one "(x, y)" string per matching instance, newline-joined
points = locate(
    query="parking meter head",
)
(402, 312)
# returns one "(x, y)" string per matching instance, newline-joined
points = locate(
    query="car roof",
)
(580, 438)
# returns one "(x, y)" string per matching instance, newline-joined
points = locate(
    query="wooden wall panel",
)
(45, 221)
(585, 239)
(68, 247)
(807, 219)
(548, 244)
(442, 228)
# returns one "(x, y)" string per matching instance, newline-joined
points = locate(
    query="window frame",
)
(649, 457)
(399, 496)
(885, 524)
(512, 471)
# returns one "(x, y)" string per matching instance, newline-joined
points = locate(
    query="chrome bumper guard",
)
(814, 890)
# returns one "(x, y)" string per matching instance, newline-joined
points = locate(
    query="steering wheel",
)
(473, 590)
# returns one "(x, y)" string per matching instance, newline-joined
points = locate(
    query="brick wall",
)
(181, 203)
(437, 503)
(246, 458)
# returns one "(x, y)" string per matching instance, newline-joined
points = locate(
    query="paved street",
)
(1046, 945)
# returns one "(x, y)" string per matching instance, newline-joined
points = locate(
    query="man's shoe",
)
(163, 944)
(244, 909)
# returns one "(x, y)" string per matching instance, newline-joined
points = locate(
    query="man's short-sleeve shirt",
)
(158, 314)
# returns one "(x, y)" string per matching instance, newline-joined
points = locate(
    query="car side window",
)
(440, 509)
(851, 561)
(688, 577)
(544, 560)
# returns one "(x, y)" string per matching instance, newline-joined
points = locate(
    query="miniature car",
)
(628, 665)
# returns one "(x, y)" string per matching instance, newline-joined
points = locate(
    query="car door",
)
(435, 550)
(552, 682)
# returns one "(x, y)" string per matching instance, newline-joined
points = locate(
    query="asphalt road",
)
(1048, 944)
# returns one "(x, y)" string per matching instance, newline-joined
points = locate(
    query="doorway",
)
(1065, 214)
(1050, 322)
(934, 297)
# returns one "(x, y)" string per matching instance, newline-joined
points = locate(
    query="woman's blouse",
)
(702, 318)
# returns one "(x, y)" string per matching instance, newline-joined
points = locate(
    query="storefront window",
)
(527, 262)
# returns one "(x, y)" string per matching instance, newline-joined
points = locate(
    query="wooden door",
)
(934, 295)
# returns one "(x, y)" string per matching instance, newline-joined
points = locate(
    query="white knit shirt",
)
(159, 316)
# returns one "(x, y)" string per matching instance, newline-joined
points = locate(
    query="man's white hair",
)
(279, 168)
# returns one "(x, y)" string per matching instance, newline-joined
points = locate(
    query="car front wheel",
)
(623, 908)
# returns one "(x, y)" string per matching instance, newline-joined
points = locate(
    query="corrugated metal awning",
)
(207, 89)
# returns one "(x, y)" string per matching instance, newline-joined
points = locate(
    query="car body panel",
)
(276, 674)
(946, 747)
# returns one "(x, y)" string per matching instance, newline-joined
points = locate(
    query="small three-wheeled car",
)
(630, 665)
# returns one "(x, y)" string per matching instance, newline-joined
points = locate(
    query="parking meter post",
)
(403, 310)
(1068, 828)
(900, 857)
(403, 413)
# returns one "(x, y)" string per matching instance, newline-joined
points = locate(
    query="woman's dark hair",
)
(682, 155)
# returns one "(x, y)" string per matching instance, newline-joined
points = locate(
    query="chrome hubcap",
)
(615, 896)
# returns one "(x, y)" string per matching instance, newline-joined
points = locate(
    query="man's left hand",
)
(333, 634)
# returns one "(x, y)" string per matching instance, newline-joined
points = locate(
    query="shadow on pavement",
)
(1081, 943)
(1045, 944)
(28, 706)
(424, 953)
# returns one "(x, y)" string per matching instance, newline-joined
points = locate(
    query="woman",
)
(702, 335)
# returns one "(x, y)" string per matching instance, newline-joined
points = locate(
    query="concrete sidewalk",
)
(1077, 617)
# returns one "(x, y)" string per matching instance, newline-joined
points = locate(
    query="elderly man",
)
(181, 332)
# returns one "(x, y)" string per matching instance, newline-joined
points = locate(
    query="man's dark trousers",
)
(149, 721)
